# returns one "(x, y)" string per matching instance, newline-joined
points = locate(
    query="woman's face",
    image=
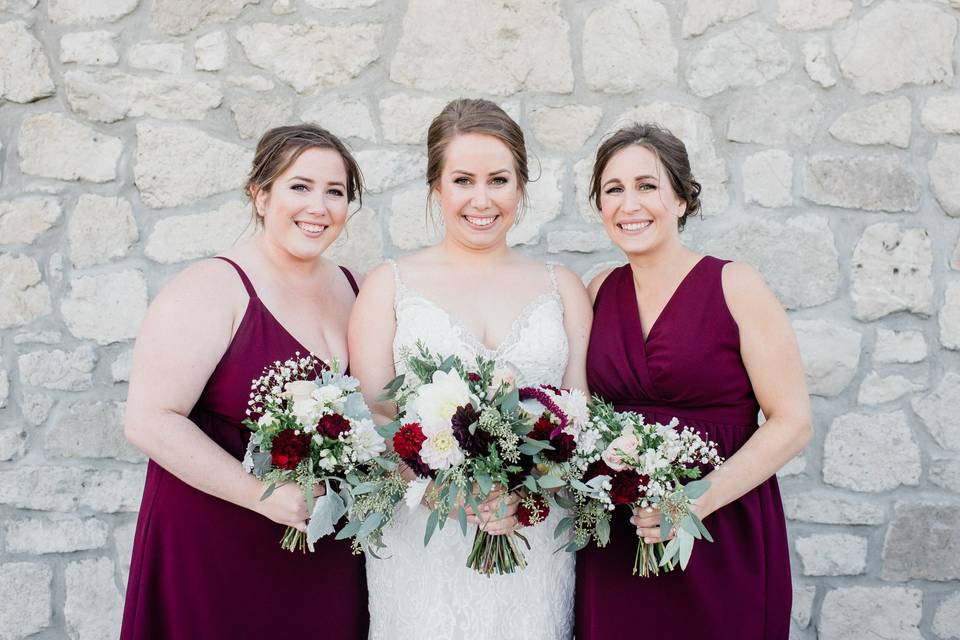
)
(478, 191)
(306, 207)
(637, 202)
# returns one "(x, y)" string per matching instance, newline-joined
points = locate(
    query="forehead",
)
(477, 153)
(632, 160)
(318, 163)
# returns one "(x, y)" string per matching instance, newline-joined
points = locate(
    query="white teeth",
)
(311, 228)
(634, 226)
(481, 222)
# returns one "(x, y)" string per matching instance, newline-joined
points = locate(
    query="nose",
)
(631, 200)
(317, 205)
(481, 199)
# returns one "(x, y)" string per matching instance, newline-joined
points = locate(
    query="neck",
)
(662, 259)
(281, 261)
(478, 256)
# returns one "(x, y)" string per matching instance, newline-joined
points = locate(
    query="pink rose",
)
(624, 446)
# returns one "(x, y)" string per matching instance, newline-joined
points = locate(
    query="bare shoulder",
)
(566, 278)
(212, 284)
(745, 290)
(379, 280)
(597, 281)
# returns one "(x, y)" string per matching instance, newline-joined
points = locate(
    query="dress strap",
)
(243, 276)
(351, 280)
(554, 286)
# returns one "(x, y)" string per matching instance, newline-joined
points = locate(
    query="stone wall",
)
(825, 133)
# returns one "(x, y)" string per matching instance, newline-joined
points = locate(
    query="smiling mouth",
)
(481, 222)
(634, 226)
(311, 228)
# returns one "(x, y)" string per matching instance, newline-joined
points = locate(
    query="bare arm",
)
(185, 333)
(370, 340)
(577, 320)
(772, 360)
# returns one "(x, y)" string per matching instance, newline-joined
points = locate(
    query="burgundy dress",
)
(206, 568)
(689, 367)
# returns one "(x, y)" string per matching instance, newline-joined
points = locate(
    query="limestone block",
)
(405, 119)
(945, 472)
(565, 128)
(869, 182)
(871, 453)
(58, 370)
(211, 51)
(342, 4)
(941, 114)
(26, 595)
(24, 68)
(254, 116)
(700, 15)
(386, 168)
(24, 219)
(35, 408)
(627, 46)
(344, 116)
(578, 240)
(801, 15)
(786, 116)
(897, 44)
(310, 56)
(95, 48)
(360, 245)
(946, 621)
(816, 61)
(24, 296)
(63, 535)
(832, 554)
(100, 230)
(123, 536)
(886, 122)
(157, 56)
(54, 146)
(899, 346)
(891, 272)
(696, 131)
(950, 317)
(120, 369)
(546, 202)
(13, 443)
(48, 488)
(768, 178)
(91, 430)
(108, 96)
(84, 12)
(106, 308)
(798, 258)
(198, 235)
(94, 607)
(938, 410)
(871, 613)
(539, 59)
(877, 389)
(922, 542)
(825, 507)
(176, 165)
(803, 597)
(411, 226)
(748, 55)
(830, 353)
(944, 177)
(176, 17)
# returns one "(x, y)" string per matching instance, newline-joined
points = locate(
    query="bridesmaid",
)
(207, 561)
(677, 334)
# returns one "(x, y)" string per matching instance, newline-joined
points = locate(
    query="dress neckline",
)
(636, 304)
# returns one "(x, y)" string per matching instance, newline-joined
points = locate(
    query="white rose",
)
(328, 394)
(299, 389)
(437, 401)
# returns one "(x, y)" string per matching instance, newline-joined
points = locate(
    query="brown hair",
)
(465, 115)
(280, 147)
(670, 152)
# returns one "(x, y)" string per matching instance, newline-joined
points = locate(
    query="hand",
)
(647, 521)
(287, 505)
(489, 518)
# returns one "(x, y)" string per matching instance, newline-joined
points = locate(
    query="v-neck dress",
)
(688, 367)
(206, 568)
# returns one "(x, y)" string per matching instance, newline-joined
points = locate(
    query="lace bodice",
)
(419, 592)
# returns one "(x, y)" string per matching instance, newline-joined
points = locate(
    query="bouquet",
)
(468, 432)
(311, 426)
(626, 461)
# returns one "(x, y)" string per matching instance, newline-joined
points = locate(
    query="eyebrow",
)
(492, 173)
(335, 183)
(643, 177)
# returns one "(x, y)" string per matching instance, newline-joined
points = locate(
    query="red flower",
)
(532, 510)
(289, 449)
(542, 428)
(333, 425)
(407, 441)
(563, 446)
(473, 377)
(627, 487)
(598, 468)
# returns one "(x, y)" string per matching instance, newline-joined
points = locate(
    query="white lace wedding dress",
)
(428, 592)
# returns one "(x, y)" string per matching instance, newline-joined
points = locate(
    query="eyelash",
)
(301, 188)
(499, 180)
(646, 186)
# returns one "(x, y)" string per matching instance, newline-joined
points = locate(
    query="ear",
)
(259, 197)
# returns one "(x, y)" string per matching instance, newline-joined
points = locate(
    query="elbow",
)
(804, 432)
(134, 432)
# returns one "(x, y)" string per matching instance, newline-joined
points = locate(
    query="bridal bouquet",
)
(470, 434)
(626, 461)
(311, 426)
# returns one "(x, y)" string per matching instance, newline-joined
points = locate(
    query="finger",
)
(300, 526)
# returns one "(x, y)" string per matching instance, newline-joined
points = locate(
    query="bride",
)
(471, 295)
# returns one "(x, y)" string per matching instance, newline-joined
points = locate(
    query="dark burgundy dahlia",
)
(333, 425)
(407, 442)
(532, 510)
(288, 449)
(563, 447)
(476, 443)
(626, 487)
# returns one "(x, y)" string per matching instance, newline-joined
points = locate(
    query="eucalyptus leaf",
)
(388, 465)
(365, 487)
(696, 488)
(562, 526)
(510, 401)
(688, 525)
(703, 530)
(462, 517)
(485, 482)
(665, 524)
(563, 501)
(388, 430)
(603, 531)
(530, 483)
(269, 491)
(431, 526)
(262, 461)
(550, 482)
(579, 486)
(369, 525)
(349, 530)
(669, 552)
(686, 548)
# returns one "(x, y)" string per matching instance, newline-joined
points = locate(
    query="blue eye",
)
(461, 181)
(300, 187)
(500, 180)
(614, 190)
(336, 192)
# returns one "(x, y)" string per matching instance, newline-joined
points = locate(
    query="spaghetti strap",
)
(243, 276)
(553, 278)
(351, 280)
